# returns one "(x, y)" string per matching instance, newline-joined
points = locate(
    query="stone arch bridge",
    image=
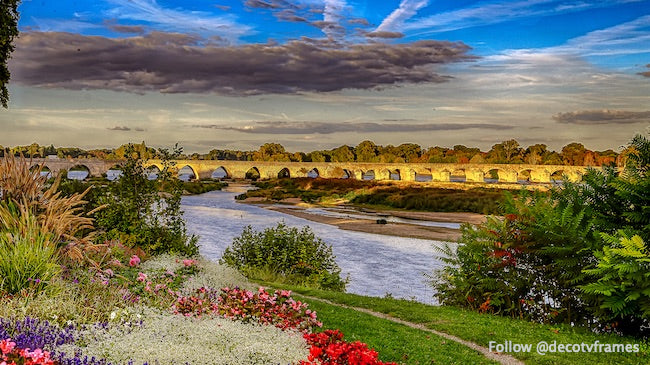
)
(202, 169)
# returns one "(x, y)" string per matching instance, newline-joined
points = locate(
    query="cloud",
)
(359, 21)
(406, 10)
(126, 29)
(179, 20)
(495, 12)
(119, 128)
(283, 127)
(646, 73)
(589, 117)
(380, 34)
(175, 63)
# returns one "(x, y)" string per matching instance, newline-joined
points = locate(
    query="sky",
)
(317, 74)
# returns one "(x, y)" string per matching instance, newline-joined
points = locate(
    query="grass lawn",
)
(394, 342)
(481, 329)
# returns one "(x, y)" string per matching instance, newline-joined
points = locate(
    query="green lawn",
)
(479, 328)
(394, 342)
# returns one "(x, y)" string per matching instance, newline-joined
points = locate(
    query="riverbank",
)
(298, 209)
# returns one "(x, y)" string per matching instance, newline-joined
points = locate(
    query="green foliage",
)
(622, 286)
(8, 31)
(26, 262)
(553, 258)
(295, 254)
(477, 200)
(138, 213)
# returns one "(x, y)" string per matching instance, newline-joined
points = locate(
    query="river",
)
(376, 264)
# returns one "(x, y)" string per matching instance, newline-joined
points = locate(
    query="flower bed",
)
(328, 348)
(277, 309)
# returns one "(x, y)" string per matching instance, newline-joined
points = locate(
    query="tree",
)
(535, 154)
(366, 151)
(8, 31)
(574, 154)
(343, 154)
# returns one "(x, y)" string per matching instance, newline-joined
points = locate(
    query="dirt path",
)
(501, 358)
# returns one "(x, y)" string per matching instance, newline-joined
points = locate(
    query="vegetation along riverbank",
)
(115, 278)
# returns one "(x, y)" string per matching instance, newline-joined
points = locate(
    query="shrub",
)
(621, 288)
(294, 254)
(137, 213)
(27, 205)
(26, 262)
(553, 258)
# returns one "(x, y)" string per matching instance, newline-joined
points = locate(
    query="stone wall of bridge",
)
(203, 169)
(382, 171)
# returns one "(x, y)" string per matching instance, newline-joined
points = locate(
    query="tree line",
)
(510, 152)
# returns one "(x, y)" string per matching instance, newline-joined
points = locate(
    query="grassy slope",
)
(483, 328)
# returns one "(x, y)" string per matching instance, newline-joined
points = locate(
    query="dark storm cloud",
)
(381, 34)
(602, 117)
(177, 63)
(119, 128)
(647, 73)
(282, 127)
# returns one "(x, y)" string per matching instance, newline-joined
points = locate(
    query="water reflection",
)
(376, 264)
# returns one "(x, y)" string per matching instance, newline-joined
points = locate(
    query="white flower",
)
(113, 315)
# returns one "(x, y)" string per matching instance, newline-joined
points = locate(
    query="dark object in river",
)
(381, 221)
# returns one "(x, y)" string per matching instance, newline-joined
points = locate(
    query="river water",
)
(376, 264)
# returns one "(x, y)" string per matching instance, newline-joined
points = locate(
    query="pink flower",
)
(135, 261)
(142, 277)
(109, 272)
(6, 346)
(285, 293)
(189, 263)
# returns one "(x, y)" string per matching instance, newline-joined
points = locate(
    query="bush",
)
(555, 258)
(26, 262)
(621, 288)
(291, 253)
(137, 213)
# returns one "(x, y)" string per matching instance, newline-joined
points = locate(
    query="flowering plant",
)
(278, 309)
(12, 355)
(328, 348)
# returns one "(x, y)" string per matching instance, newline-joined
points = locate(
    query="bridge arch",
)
(78, 172)
(114, 172)
(394, 174)
(421, 175)
(253, 173)
(458, 175)
(187, 173)
(338, 173)
(153, 171)
(42, 170)
(284, 173)
(313, 173)
(368, 175)
(220, 173)
(524, 176)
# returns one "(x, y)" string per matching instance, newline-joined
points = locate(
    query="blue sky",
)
(319, 73)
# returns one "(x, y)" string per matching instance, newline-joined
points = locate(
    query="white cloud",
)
(179, 20)
(406, 10)
(494, 12)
